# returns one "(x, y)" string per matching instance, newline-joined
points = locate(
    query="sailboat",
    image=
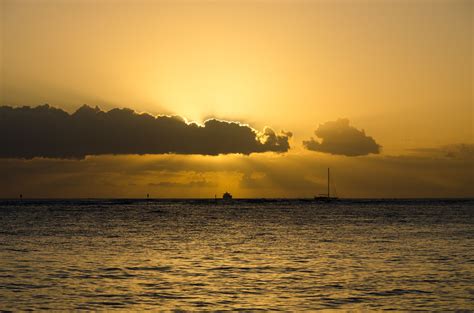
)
(326, 197)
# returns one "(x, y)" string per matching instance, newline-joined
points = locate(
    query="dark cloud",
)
(338, 137)
(49, 132)
(260, 175)
(191, 184)
(457, 151)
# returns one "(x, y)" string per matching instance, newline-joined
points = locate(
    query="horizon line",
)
(249, 198)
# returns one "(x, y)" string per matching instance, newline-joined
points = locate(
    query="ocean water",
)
(242, 255)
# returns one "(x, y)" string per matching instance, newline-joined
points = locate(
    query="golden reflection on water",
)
(207, 256)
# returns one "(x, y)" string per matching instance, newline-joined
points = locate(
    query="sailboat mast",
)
(328, 183)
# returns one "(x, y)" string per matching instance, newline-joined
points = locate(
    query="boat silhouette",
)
(326, 197)
(227, 196)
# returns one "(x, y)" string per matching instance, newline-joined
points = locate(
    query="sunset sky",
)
(380, 91)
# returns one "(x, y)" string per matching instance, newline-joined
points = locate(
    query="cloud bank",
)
(338, 137)
(457, 151)
(49, 132)
(260, 175)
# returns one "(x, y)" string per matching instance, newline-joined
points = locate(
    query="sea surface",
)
(288, 255)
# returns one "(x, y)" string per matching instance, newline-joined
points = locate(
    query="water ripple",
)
(286, 255)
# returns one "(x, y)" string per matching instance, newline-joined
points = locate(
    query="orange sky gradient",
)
(402, 71)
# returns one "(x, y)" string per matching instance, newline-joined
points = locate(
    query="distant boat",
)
(227, 196)
(326, 197)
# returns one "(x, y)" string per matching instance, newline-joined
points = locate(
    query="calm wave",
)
(203, 255)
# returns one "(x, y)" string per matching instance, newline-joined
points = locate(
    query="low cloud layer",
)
(260, 175)
(456, 151)
(338, 137)
(49, 132)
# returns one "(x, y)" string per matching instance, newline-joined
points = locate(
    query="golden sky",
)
(400, 70)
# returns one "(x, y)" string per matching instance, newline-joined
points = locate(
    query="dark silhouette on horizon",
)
(227, 196)
(327, 197)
